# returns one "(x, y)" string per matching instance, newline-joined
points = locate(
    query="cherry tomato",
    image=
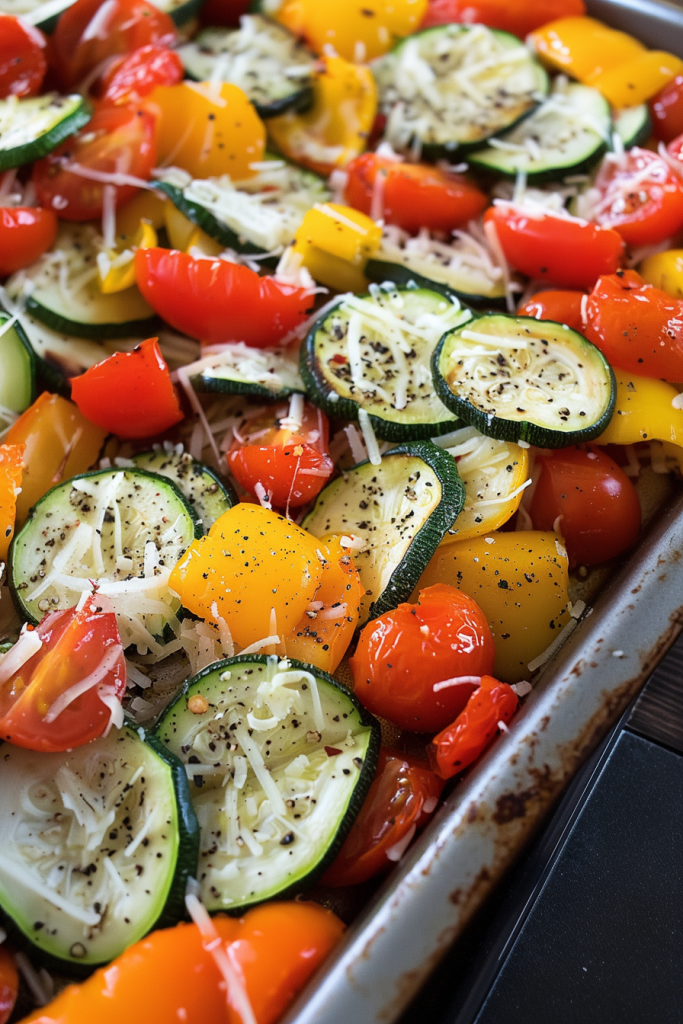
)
(675, 149)
(128, 79)
(290, 461)
(640, 197)
(403, 656)
(401, 799)
(26, 232)
(9, 984)
(89, 32)
(585, 496)
(117, 140)
(22, 58)
(130, 394)
(223, 12)
(520, 17)
(637, 326)
(562, 307)
(218, 302)
(461, 743)
(666, 109)
(39, 707)
(569, 253)
(412, 196)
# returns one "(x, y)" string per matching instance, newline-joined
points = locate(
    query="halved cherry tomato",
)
(26, 232)
(9, 984)
(666, 109)
(117, 140)
(566, 252)
(417, 665)
(289, 460)
(584, 495)
(564, 307)
(129, 394)
(129, 78)
(42, 705)
(401, 799)
(412, 196)
(640, 197)
(223, 12)
(675, 149)
(638, 327)
(22, 58)
(90, 32)
(216, 301)
(520, 17)
(461, 743)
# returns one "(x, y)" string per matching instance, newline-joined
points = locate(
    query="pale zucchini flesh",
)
(32, 127)
(17, 370)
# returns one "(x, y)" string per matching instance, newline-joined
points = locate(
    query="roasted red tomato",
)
(128, 79)
(89, 32)
(216, 301)
(566, 252)
(638, 327)
(22, 58)
(417, 665)
(520, 18)
(667, 110)
(130, 394)
(283, 454)
(68, 691)
(562, 307)
(118, 140)
(640, 197)
(9, 984)
(401, 799)
(413, 196)
(223, 12)
(583, 494)
(26, 232)
(470, 734)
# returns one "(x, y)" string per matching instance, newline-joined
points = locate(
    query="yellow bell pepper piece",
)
(184, 235)
(645, 411)
(520, 581)
(335, 243)
(121, 272)
(583, 47)
(665, 271)
(638, 80)
(205, 244)
(147, 205)
(337, 126)
(359, 30)
(487, 476)
(207, 129)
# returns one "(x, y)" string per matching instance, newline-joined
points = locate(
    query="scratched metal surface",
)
(400, 936)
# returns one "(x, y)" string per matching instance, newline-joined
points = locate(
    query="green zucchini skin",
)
(205, 220)
(9, 389)
(227, 386)
(49, 140)
(403, 277)
(186, 12)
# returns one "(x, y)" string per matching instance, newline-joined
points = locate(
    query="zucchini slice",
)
(17, 370)
(401, 510)
(374, 352)
(259, 215)
(450, 88)
(181, 11)
(208, 495)
(279, 765)
(262, 57)
(124, 528)
(60, 356)
(61, 290)
(633, 125)
(96, 845)
(519, 378)
(245, 370)
(31, 128)
(565, 135)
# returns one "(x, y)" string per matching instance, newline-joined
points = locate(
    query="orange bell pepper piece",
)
(358, 31)
(583, 47)
(11, 464)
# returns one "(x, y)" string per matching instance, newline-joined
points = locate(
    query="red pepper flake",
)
(331, 751)
(339, 359)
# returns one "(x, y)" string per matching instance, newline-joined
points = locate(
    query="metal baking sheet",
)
(396, 941)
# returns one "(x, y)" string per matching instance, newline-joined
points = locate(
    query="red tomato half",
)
(562, 307)
(569, 253)
(290, 462)
(22, 58)
(405, 655)
(117, 140)
(401, 799)
(412, 196)
(667, 110)
(640, 197)
(128, 79)
(9, 984)
(585, 496)
(517, 16)
(26, 232)
(461, 743)
(219, 302)
(40, 705)
(90, 31)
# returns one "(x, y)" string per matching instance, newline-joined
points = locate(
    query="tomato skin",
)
(129, 394)
(80, 45)
(589, 500)
(566, 253)
(643, 213)
(564, 307)
(123, 142)
(224, 12)
(402, 654)
(277, 458)
(26, 232)
(219, 302)
(519, 18)
(413, 195)
(400, 800)
(22, 58)
(638, 327)
(9, 984)
(666, 110)
(130, 78)
(461, 743)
